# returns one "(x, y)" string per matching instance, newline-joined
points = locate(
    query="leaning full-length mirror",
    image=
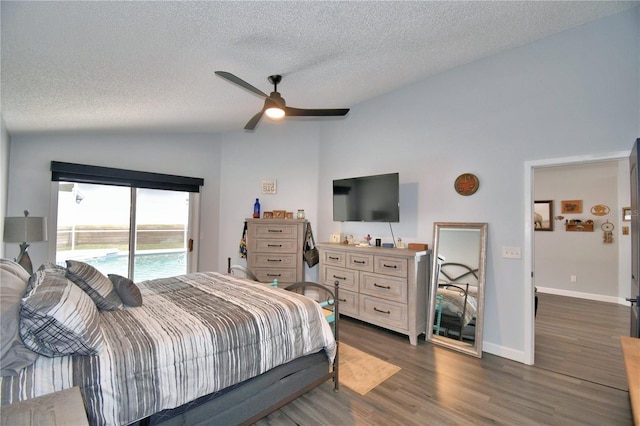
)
(456, 299)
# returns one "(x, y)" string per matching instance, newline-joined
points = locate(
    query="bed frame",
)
(253, 399)
(453, 323)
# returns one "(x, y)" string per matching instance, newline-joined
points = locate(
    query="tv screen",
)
(367, 199)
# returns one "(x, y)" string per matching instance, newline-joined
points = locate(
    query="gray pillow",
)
(14, 355)
(58, 318)
(95, 284)
(127, 290)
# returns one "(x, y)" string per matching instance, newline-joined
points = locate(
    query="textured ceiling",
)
(149, 66)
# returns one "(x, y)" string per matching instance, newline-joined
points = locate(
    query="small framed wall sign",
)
(571, 206)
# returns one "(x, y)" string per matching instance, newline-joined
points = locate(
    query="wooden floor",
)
(439, 387)
(581, 338)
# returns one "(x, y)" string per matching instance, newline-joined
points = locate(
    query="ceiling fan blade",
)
(232, 78)
(291, 112)
(251, 124)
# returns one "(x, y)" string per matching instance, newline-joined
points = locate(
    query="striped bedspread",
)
(195, 334)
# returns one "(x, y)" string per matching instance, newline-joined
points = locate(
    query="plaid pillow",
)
(58, 318)
(95, 284)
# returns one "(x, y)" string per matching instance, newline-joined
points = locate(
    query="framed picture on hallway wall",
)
(571, 206)
(543, 215)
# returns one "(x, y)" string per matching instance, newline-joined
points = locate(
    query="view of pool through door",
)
(134, 232)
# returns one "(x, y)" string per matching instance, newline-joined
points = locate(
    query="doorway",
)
(529, 248)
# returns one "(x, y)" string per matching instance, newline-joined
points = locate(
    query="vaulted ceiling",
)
(148, 66)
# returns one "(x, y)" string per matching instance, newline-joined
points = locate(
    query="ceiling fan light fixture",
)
(275, 106)
(274, 112)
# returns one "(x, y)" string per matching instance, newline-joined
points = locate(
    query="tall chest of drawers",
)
(275, 249)
(386, 287)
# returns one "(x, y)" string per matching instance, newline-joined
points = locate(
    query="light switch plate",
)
(268, 186)
(511, 253)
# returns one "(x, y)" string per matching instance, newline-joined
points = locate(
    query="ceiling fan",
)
(274, 104)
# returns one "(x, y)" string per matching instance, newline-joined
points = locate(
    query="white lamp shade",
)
(25, 229)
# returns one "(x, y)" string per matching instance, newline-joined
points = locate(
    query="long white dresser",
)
(382, 286)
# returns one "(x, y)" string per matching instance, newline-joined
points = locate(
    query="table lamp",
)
(23, 229)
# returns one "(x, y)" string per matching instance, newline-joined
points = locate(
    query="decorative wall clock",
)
(466, 184)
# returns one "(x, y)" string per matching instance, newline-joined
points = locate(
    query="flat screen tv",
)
(367, 199)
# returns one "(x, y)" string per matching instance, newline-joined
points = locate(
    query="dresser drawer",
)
(334, 258)
(385, 287)
(273, 245)
(348, 302)
(383, 312)
(391, 266)
(348, 279)
(284, 276)
(273, 260)
(266, 230)
(361, 262)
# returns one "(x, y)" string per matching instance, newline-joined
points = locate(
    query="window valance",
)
(81, 173)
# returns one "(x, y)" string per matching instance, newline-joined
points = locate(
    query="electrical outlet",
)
(511, 252)
(574, 279)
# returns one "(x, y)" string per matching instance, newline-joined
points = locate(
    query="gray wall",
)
(573, 93)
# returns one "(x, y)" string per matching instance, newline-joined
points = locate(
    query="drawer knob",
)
(339, 278)
(274, 260)
(274, 245)
(334, 258)
(361, 262)
(388, 287)
(390, 266)
(381, 311)
(275, 230)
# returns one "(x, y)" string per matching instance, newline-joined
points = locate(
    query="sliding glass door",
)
(136, 232)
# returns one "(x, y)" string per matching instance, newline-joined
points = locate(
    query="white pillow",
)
(14, 355)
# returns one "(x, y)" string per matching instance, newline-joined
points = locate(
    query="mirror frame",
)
(476, 349)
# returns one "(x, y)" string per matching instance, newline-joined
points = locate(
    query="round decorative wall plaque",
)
(600, 210)
(466, 184)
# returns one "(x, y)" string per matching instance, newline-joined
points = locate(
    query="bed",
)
(203, 347)
(457, 301)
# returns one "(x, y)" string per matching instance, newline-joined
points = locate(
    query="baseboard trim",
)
(581, 295)
(503, 352)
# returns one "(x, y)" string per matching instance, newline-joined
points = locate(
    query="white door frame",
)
(528, 255)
